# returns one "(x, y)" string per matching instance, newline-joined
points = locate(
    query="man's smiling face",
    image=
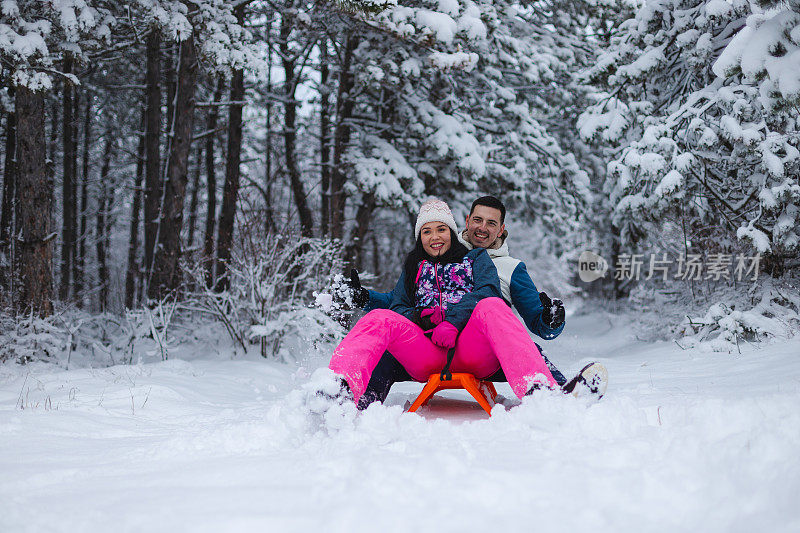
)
(484, 226)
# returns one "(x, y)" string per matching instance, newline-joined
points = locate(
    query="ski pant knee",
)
(380, 330)
(487, 308)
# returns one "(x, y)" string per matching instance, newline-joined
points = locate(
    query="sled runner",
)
(483, 391)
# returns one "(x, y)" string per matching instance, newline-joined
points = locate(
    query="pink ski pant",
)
(492, 338)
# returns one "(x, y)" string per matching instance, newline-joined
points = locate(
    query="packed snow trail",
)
(683, 440)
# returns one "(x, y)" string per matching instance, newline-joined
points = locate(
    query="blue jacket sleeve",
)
(486, 285)
(379, 300)
(403, 299)
(525, 299)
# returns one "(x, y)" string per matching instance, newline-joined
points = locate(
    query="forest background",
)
(166, 162)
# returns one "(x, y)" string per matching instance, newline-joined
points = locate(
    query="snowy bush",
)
(724, 326)
(70, 337)
(26, 339)
(269, 305)
(271, 295)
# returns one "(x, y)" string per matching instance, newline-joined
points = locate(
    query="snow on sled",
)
(452, 406)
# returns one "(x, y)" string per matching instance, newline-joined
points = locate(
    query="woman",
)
(448, 297)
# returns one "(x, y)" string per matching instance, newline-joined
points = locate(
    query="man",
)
(485, 228)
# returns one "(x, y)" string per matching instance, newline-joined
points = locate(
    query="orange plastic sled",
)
(482, 391)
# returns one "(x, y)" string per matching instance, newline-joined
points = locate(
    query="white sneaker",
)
(592, 379)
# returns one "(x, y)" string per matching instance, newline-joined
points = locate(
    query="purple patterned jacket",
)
(442, 284)
(456, 287)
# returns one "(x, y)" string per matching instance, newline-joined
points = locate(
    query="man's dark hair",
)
(490, 201)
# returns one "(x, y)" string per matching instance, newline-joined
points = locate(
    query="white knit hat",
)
(434, 210)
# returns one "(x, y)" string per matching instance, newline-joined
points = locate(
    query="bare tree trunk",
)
(80, 243)
(270, 226)
(101, 229)
(35, 192)
(344, 112)
(356, 242)
(324, 137)
(171, 57)
(67, 184)
(195, 194)
(133, 242)
(269, 223)
(166, 274)
(51, 158)
(355, 248)
(152, 194)
(9, 178)
(376, 256)
(74, 193)
(230, 193)
(211, 189)
(3, 114)
(9, 192)
(290, 129)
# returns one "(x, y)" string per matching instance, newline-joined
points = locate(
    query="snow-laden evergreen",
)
(471, 89)
(697, 116)
(223, 42)
(33, 35)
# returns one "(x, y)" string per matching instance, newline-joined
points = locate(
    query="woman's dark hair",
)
(454, 254)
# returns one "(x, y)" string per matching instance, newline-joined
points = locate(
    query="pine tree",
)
(712, 152)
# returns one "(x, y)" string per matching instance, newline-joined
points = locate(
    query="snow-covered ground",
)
(683, 441)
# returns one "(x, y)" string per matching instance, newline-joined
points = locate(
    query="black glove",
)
(553, 311)
(359, 294)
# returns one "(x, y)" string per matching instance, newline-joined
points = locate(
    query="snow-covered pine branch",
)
(698, 145)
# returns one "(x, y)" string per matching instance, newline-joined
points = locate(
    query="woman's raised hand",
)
(359, 294)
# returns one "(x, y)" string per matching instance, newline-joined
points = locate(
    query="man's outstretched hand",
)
(553, 312)
(359, 294)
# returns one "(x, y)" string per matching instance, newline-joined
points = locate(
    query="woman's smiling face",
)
(435, 238)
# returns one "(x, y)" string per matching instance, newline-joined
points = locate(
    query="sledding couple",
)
(453, 296)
